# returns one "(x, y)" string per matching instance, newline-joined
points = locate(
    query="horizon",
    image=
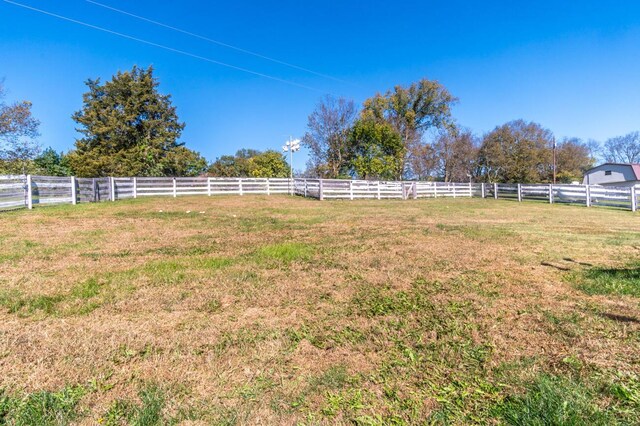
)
(568, 67)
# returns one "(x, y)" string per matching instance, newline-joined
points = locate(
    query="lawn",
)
(279, 310)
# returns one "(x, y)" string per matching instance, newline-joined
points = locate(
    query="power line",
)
(219, 43)
(161, 46)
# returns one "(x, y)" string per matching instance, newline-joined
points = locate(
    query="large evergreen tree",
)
(50, 163)
(130, 129)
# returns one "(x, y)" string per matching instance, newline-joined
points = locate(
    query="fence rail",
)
(27, 191)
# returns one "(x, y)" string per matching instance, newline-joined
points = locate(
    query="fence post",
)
(320, 190)
(588, 194)
(634, 199)
(550, 194)
(495, 191)
(415, 190)
(96, 193)
(435, 189)
(350, 189)
(74, 198)
(305, 188)
(135, 187)
(209, 186)
(519, 193)
(240, 187)
(112, 184)
(454, 190)
(268, 187)
(175, 188)
(378, 190)
(482, 189)
(29, 190)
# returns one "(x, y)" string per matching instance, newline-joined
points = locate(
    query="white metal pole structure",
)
(291, 146)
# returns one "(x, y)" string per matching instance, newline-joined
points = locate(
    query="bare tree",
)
(623, 149)
(422, 160)
(595, 150)
(456, 152)
(18, 130)
(327, 136)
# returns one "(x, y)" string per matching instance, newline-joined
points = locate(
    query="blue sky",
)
(571, 66)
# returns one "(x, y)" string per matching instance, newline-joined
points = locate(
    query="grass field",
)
(278, 310)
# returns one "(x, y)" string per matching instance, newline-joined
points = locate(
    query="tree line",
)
(410, 133)
(128, 128)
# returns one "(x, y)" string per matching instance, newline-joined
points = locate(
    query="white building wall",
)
(620, 175)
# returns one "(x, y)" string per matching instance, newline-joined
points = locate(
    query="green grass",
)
(41, 408)
(147, 412)
(552, 400)
(624, 281)
(286, 252)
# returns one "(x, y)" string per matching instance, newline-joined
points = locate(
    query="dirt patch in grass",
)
(288, 310)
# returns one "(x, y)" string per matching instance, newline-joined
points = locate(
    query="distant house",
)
(613, 174)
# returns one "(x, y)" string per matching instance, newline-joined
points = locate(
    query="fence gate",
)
(409, 190)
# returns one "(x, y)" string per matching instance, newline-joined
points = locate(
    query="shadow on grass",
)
(619, 318)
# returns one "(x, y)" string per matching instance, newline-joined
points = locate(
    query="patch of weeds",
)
(567, 325)
(16, 303)
(79, 301)
(149, 412)
(146, 413)
(18, 250)
(463, 401)
(286, 252)
(379, 301)
(261, 223)
(329, 337)
(626, 389)
(348, 402)
(214, 263)
(119, 412)
(623, 281)
(553, 400)
(41, 408)
(335, 377)
(87, 289)
(124, 354)
(251, 391)
(165, 273)
(212, 306)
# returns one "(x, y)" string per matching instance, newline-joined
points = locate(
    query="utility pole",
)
(554, 161)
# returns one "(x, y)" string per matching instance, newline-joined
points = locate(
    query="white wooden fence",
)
(28, 191)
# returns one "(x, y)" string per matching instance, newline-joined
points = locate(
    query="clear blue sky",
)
(572, 66)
